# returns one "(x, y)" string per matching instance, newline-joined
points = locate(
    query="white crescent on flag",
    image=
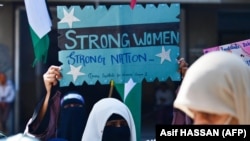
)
(128, 87)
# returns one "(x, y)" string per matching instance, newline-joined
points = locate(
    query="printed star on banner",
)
(75, 72)
(164, 55)
(128, 87)
(69, 17)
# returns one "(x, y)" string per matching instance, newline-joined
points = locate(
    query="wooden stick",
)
(111, 88)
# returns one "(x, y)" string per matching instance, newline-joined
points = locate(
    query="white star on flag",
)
(69, 17)
(128, 87)
(164, 55)
(75, 72)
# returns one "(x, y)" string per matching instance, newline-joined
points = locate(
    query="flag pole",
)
(111, 88)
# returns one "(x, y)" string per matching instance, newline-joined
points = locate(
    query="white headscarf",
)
(99, 115)
(219, 83)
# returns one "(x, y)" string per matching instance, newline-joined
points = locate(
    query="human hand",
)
(183, 66)
(51, 77)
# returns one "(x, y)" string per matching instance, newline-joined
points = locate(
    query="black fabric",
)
(43, 124)
(72, 101)
(46, 128)
(57, 139)
(113, 133)
(72, 121)
(115, 117)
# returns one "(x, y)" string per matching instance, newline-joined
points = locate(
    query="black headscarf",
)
(73, 118)
(113, 133)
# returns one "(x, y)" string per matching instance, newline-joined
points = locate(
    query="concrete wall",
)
(7, 49)
(201, 29)
(204, 28)
(7, 33)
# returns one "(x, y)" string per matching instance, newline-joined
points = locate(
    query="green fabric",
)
(40, 46)
(133, 101)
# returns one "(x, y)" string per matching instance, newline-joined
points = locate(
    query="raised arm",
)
(50, 79)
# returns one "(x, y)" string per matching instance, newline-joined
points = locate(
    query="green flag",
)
(40, 25)
(131, 95)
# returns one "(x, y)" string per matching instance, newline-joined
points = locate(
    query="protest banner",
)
(241, 48)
